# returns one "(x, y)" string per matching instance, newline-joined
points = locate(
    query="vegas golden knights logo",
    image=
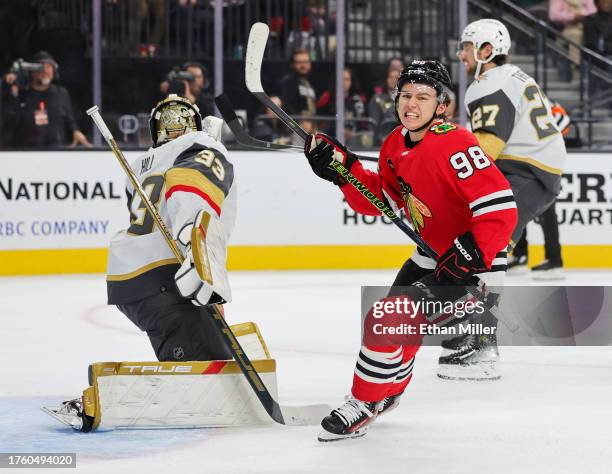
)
(417, 209)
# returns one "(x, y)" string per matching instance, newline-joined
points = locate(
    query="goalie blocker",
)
(161, 395)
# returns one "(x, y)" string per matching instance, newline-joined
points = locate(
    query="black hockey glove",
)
(321, 150)
(460, 262)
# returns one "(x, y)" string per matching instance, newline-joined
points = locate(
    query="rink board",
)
(58, 211)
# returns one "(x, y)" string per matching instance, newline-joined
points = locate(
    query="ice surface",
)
(551, 412)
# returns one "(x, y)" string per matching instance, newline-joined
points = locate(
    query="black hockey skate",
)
(548, 270)
(348, 421)
(469, 357)
(456, 344)
(389, 404)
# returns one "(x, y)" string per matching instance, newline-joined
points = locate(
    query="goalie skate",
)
(351, 420)
(70, 413)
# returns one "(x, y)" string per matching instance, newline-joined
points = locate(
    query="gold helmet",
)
(172, 117)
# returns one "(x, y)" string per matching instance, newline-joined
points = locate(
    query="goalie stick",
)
(285, 415)
(242, 136)
(258, 37)
(233, 122)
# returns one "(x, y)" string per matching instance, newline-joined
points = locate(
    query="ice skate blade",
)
(474, 372)
(326, 437)
(549, 275)
(69, 420)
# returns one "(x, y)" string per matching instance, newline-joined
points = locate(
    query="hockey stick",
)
(233, 122)
(242, 136)
(293, 416)
(258, 38)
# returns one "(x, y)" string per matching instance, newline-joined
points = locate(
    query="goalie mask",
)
(173, 117)
(430, 73)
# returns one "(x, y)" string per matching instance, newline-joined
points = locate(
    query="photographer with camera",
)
(191, 81)
(38, 112)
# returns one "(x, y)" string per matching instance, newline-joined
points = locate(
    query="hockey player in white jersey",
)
(513, 122)
(189, 177)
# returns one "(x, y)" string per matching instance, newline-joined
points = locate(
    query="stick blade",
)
(233, 122)
(308, 415)
(225, 108)
(258, 38)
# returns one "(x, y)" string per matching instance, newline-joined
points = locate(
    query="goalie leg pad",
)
(185, 394)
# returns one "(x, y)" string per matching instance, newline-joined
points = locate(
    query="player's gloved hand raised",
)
(321, 150)
(460, 262)
(203, 275)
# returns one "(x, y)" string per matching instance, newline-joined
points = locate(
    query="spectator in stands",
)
(598, 29)
(396, 63)
(569, 15)
(198, 87)
(191, 80)
(40, 114)
(380, 106)
(269, 128)
(152, 20)
(354, 109)
(296, 92)
(314, 22)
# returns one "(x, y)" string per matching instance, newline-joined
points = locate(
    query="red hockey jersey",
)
(446, 185)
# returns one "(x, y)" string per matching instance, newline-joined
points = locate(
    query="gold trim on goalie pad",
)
(141, 270)
(199, 249)
(244, 329)
(89, 401)
(102, 369)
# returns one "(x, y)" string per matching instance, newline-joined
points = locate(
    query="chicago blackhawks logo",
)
(417, 209)
(442, 128)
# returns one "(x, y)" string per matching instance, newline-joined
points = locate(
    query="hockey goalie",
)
(189, 177)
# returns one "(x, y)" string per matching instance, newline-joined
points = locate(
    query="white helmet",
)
(485, 31)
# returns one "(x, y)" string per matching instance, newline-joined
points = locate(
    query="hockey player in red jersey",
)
(458, 201)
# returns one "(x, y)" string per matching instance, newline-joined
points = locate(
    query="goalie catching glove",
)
(460, 262)
(203, 275)
(321, 150)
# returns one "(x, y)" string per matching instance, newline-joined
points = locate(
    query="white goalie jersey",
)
(512, 119)
(182, 177)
